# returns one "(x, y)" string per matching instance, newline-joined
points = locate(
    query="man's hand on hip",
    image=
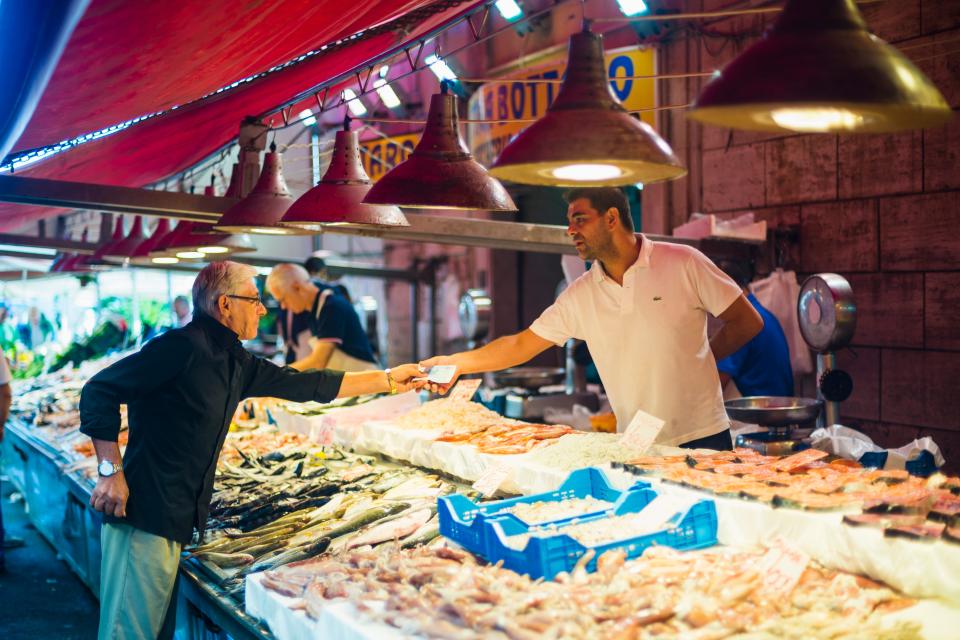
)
(110, 495)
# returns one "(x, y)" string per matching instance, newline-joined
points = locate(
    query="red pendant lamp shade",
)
(123, 250)
(97, 259)
(587, 138)
(819, 69)
(441, 173)
(338, 197)
(141, 255)
(261, 210)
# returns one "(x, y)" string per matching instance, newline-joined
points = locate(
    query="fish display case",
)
(355, 492)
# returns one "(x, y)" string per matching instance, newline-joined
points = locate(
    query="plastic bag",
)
(920, 457)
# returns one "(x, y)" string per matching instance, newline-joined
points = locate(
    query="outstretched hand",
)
(435, 361)
(410, 377)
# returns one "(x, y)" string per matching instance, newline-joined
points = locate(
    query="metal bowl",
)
(774, 411)
(529, 377)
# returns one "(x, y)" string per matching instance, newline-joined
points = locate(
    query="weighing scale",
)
(827, 315)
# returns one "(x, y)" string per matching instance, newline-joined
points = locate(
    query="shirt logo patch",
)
(657, 298)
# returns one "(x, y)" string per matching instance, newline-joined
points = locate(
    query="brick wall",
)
(882, 210)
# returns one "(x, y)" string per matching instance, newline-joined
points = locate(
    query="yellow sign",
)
(382, 154)
(525, 100)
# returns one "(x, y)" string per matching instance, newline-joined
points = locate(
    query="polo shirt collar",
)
(642, 262)
(222, 335)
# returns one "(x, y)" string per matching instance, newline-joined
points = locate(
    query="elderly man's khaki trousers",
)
(137, 577)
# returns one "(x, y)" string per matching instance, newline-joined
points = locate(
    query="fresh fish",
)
(291, 555)
(424, 534)
(225, 560)
(368, 517)
(416, 487)
(393, 530)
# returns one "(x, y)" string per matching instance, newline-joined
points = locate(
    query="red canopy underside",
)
(126, 59)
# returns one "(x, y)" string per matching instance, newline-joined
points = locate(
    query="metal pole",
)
(415, 319)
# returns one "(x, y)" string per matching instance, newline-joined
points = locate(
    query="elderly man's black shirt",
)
(181, 390)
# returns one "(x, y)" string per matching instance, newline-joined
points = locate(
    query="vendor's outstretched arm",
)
(502, 353)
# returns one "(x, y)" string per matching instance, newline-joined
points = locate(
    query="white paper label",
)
(782, 567)
(491, 479)
(464, 390)
(641, 432)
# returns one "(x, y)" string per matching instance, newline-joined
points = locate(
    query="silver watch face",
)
(106, 468)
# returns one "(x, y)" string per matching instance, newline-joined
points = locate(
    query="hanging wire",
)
(667, 107)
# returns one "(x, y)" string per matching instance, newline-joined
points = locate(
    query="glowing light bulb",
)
(213, 250)
(270, 231)
(587, 172)
(814, 119)
(165, 260)
(189, 255)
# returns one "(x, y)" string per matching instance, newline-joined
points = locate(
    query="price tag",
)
(464, 390)
(641, 432)
(782, 567)
(491, 479)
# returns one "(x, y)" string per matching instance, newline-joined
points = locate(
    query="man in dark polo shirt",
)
(181, 390)
(338, 339)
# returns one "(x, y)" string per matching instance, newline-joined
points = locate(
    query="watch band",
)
(391, 382)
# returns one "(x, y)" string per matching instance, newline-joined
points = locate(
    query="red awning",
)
(126, 59)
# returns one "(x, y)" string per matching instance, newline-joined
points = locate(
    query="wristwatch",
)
(107, 468)
(391, 382)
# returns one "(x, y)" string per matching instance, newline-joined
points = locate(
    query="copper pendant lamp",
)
(121, 251)
(205, 239)
(72, 262)
(338, 197)
(161, 250)
(261, 210)
(141, 255)
(819, 69)
(587, 138)
(441, 173)
(97, 261)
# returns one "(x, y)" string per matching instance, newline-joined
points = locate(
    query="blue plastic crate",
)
(545, 557)
(462, 520)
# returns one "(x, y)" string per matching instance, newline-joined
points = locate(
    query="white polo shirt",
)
(648, 337)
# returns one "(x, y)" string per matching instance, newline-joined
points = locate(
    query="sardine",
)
(226, 560)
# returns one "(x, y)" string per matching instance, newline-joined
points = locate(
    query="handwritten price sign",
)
(782, 567)
(641, 432)
(464, 389)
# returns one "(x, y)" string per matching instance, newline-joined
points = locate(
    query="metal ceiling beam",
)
(454, 230)
(69, 246)
(476, 232)
(102, 197)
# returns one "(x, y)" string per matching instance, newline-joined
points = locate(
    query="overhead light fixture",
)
(338, 197)
(123, 250)
(165, 260)
(141, 255)
(387, 95)
(37, 251)
(307, 118)
(440, 172)
(164, 244)
(509, 9)
(587, 138)
(819, 69)
(440, 68)
(97, 261)
(353, 103)
(266, 203)
(632, 7)
(189, 255)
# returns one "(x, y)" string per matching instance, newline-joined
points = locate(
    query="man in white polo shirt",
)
(642, 310)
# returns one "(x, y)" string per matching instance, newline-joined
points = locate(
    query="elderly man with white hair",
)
(181, 390)
(338, 340)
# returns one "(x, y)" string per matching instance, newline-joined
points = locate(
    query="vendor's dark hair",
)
(314, 265)
(603, 198)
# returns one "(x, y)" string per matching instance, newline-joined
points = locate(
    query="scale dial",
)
(826, 312)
